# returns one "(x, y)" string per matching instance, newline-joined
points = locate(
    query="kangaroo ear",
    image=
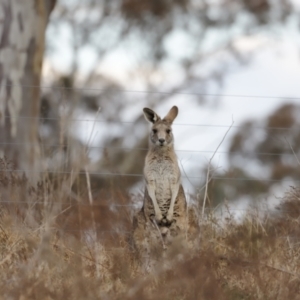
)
(150, 115)
(172, 114)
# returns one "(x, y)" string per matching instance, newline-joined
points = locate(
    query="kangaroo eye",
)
(154, 131)
(168, 131)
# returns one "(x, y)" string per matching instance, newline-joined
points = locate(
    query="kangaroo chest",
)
(162, 169)
(163, 172)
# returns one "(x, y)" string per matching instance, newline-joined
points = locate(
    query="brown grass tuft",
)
(49, 249)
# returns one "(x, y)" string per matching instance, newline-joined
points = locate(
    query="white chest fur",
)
(162, 173)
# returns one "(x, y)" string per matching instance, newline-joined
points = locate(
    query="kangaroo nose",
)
(161, 141)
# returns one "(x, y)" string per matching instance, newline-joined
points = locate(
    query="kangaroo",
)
(161, 171)
(163, 216)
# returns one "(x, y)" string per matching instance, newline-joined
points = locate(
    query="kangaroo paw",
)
(159, 218)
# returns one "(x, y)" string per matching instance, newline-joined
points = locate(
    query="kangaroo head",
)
(161, 132)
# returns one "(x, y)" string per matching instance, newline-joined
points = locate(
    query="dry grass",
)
(50, 249)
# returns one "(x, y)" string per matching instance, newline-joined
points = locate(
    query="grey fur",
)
(164, 212)
(161, 171)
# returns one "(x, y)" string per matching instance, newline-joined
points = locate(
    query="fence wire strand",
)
(174, 124)
(171, 93)
(141, 175)
(146, 149)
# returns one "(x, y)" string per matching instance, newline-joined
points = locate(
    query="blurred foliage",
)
(261, 153)
(134, 9)
(145, 31)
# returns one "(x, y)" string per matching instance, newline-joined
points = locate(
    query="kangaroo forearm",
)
(174, 193)
(151, 192)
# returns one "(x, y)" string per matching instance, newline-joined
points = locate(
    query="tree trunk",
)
(22, 39)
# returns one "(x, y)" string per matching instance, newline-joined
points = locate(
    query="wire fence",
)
(107, 122)
(69, 203)
(114, 205)
(286, 180)
(224, 210)
(146, 149)
(154, 92)
(131, 205)
(102, 234)
(116, 174)
(120, 122)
